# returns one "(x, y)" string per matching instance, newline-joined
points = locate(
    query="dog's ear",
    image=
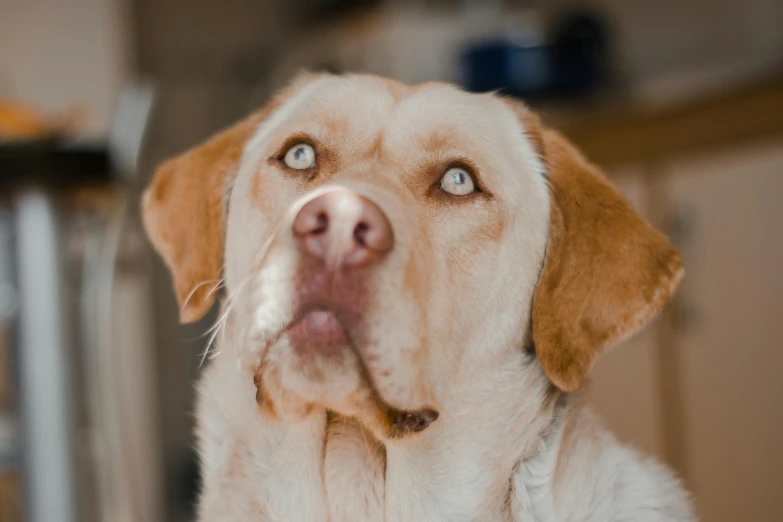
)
(183, 209)
(606, 273)
(183, 213)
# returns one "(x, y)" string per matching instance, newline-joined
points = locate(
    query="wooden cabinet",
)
(731, 342)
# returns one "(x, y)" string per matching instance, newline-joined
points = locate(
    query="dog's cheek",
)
(258, 212)
(472, 268)
(272, 394)
(263, 398)
(395, 354)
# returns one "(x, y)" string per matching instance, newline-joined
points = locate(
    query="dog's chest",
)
(354, 466)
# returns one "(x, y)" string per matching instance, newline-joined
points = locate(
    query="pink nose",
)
(341, 227)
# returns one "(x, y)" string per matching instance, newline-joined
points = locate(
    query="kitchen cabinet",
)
(701, 386)
(730, 343)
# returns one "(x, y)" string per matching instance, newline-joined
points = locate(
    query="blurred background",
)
(680, 101)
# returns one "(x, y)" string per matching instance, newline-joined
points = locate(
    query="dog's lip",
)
(297, 316)
(323, 316)
(318, 330)
(318, 308)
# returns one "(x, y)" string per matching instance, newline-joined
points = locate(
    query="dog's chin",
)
(314, 364)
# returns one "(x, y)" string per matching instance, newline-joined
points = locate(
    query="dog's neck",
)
(468, 465)
(465, 465)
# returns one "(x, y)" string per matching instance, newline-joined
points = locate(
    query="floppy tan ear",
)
(183, 213)
(607, 271)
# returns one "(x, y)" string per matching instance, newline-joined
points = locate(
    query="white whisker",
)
(220, 324)
(218, 283)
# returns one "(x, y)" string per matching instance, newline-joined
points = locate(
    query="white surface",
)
(43, 366)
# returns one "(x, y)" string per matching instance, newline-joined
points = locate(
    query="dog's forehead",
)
(403, 116)
(357, 116)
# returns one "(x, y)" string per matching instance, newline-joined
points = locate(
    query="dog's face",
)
(381, 244)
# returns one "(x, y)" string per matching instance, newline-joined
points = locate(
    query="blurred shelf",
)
(52, 164)
(620, 133)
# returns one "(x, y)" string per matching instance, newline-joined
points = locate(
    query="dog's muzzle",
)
(341, 237)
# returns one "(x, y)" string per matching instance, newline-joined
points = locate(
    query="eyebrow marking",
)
(254, 146)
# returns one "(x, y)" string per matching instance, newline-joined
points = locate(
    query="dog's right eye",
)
(458, 182)
(300, 157)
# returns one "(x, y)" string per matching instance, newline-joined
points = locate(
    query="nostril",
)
(312, 220)
(360, 233)
(321, 223)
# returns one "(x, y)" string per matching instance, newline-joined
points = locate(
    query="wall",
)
(58, 55)
(672, 48)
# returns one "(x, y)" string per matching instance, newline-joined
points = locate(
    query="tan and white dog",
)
(418, 278)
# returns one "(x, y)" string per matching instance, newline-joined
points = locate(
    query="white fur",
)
(256, 469)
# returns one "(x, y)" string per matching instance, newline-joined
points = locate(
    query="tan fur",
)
(607, 270)
(183, 213)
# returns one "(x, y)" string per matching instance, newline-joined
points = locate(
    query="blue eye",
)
(457, 181)
(300, 157)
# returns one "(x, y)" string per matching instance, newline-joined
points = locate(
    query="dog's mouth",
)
(322, 332)
(317, 331)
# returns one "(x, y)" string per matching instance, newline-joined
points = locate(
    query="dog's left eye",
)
(300, 157)
(457, 181)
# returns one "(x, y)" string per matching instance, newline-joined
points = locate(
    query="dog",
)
(417, 282)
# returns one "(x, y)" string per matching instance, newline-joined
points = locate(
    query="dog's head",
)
(383, 243)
